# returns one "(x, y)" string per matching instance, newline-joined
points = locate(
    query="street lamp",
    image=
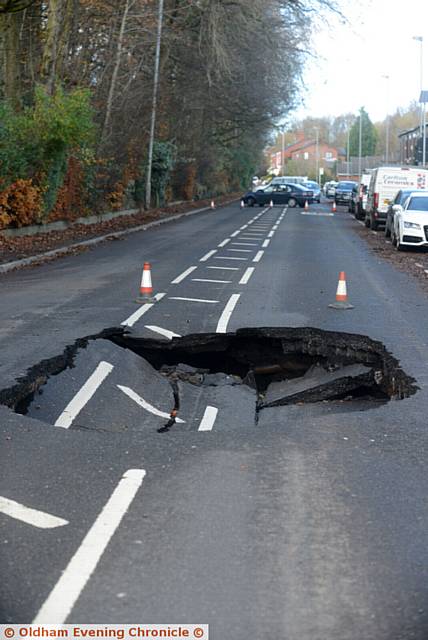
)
(386, 77)
(317, 153)
(420, 39)
(283, 151)
(423, 100)
(360, 142)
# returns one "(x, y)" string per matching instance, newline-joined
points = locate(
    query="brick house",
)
(302, 150)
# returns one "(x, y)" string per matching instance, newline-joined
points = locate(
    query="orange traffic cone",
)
(306, 205)
(341, 294)
(212, 204)
(333, 207)
(146, 289)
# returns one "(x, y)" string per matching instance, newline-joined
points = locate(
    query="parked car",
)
(358, 201)
(330, 188)
(344, 191)
(399, 199)
(313, 186)
(411, 221)
(290, 194)
(384, 184)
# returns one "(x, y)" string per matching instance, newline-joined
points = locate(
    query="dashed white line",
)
(225, 268)
(224, 243)
(229, 258)
(184, 275)
(208, 419)
(36, 518)
(67, 590)
(247, 275)
(208, 255)
(245, 244)
(258, 256)
(163, 332)
(213, 281)
(240, 250)
(265, 244)
(233, 235)
(84, 394)
(271, 234)
(194, 300)
(146, 405)
(129, 322)
(244, 226)
(227, 313)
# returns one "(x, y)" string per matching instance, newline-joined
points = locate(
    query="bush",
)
(21, 204)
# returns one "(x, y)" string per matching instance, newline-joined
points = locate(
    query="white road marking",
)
(247, 275)
(426, 270)
(67, 590)
(36, 518)
(129, 322)
(224, 243)
(275, 227)
(361, 223)
(193, 300)
(245, 244)
(233, 235)
(146, 405)
(265, 244)
(271, 234)
(240, 250)
(208, 419)
(229, 258)
(208, 255)
(225, 268)
(244, 226)
(214, 281)
(258, 256)
(418, 264)
(163, 332)
(317, 215)
(184, 275)
(227, 313)
(84, 394)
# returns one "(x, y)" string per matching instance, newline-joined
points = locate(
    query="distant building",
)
(302, 150)
(411, 146)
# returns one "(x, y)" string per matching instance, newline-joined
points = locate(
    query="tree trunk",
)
(57, 32)
(10, 26)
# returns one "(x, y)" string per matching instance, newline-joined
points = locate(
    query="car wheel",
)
(292, 202)
(251, 202)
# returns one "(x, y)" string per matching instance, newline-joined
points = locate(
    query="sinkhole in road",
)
(281, 365)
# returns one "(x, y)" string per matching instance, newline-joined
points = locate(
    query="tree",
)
(368, 135)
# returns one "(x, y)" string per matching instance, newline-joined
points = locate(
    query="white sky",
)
(352, 58)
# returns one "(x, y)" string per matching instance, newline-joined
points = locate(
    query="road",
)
(307, 523)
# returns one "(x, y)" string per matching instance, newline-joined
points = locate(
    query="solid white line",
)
(163, 332)
(208, 255)
(194, 300)
(247, 275)
(208, 419)
(183, 275)
(224, 243)
(240, 250)
(37, 518)
(245, 244)
(227, 313)
(225, 268)
(271, 234)
(61, 600)
(265, 244)
(233, 235)
(214, 281)
(129, 322)
(258, 256)
(84, 394)
(146, 405)
(229, 258)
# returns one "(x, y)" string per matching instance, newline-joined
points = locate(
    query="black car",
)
(290, 194)
(344, 192)
(399, 199)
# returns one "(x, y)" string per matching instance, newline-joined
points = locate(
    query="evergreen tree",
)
(368, 135)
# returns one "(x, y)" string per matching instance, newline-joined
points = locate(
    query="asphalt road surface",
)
(309, 523)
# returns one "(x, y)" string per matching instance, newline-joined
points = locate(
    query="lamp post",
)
(154, 105)
(386, 77)
(420, 39)
(360, 142)
(317, 153)
(283, 151)
(347, 151)
(423, 100)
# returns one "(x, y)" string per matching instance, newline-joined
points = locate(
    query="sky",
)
(351, 59)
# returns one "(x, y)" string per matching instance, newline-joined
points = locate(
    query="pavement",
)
(309, 523)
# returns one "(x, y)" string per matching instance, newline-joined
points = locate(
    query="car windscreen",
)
(310, 185)
(402, 196)
(345, 186)
(419, 203)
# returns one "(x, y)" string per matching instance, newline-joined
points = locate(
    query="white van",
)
(384, 184)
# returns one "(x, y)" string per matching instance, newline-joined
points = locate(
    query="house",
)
(411, 143)
(303, 149)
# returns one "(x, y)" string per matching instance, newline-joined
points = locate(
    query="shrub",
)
(21, 204)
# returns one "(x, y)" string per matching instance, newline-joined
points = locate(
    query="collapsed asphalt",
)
(309, 523)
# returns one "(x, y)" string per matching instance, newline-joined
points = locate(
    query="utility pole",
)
(347, 151)
(360, 142)
(420, 39)
(154, 105)
(282, 151)
(386, 77)
(317, 153)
